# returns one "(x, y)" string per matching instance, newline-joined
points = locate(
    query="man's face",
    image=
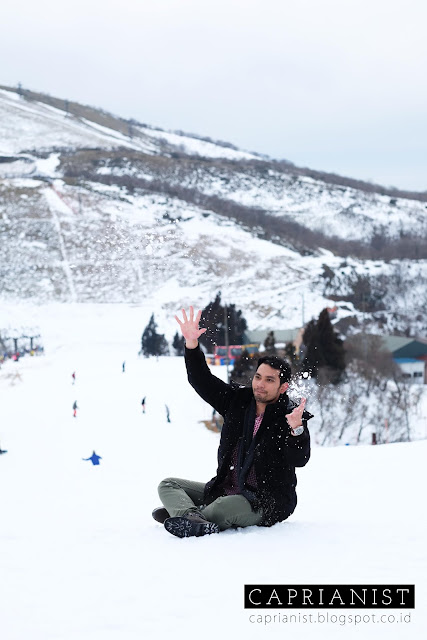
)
(266, 384)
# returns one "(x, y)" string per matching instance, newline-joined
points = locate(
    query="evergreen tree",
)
(178, 344)
(237, 325)
(213, 319)
(324, 349)
(153, 343)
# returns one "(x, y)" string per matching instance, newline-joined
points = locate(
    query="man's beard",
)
(264, 397)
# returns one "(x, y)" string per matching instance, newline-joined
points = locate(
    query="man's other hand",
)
(295, 417)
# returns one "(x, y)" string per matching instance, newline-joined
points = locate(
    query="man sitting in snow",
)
(263, 439)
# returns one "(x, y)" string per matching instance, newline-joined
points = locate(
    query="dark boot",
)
(160, 514)
(192, 524)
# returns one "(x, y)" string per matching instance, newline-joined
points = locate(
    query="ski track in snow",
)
(55, 204)
(81, 556)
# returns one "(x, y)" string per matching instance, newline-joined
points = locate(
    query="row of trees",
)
(322, 353)
(372, 395)
(155, 344)
(352, 386)
(220, 321)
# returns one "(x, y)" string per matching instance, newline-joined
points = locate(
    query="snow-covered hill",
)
(95, 208)
(80, 556)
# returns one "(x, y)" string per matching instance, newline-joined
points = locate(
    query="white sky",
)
(330, 84)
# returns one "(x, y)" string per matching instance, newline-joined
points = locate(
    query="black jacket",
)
(273, 451)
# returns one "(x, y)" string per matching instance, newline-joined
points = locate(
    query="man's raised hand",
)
(190, 328)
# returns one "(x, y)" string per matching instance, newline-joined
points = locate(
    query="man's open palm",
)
(190, 326)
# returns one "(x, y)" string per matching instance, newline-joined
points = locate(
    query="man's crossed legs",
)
(189, 516)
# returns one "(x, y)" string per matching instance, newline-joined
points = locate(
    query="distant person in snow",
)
(143, 404)
(73, 376)
(124, 366)
(168, 417)
(75, 407)
(93, 458)
(264, 437)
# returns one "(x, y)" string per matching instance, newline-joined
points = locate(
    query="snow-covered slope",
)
(344, 212)
(33, 126)
(124, 248)
(95, 208)
(81, 556)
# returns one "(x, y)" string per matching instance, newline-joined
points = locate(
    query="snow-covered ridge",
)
(32, 125)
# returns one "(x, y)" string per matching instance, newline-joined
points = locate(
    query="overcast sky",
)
(335, 85)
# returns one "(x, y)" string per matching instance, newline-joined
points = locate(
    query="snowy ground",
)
(81, 557)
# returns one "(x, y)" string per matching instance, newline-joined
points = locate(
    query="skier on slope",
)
(263, 439)
(75, 407)
(94, 458)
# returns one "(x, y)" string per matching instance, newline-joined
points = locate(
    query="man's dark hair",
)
(281, 365)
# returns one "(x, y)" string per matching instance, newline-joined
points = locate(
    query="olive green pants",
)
(179, 496)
